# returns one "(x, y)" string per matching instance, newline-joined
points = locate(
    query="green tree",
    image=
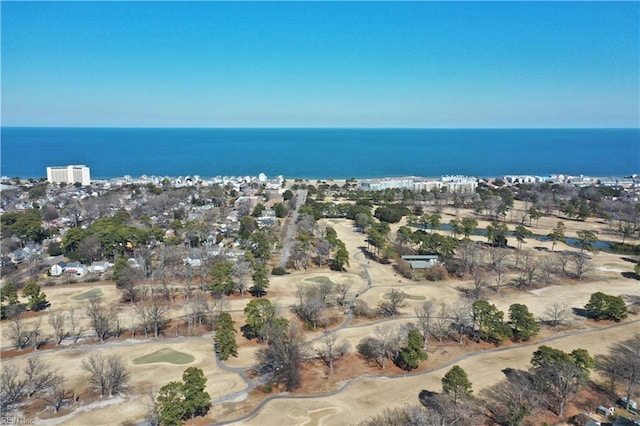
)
(534, 214)
(496, 233)
(260, 314)
(248, 225)
(37, 299)
(489, 321)
(27, 225)
(603, 306)
(340, 258)
(170, 403)
(280, 210)
(410, 356)
(222, 279)
(225, 337)
(468, 226)
(257, 210)
(557, 234)
(456, 382)
(260, 280)
(522, 321)
(196, 399)
(287, 195)
(560, 374)
(434, 221)
(586, 239)
(521, 233)
(12, 307)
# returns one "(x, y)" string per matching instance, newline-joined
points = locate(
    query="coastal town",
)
(272, 288)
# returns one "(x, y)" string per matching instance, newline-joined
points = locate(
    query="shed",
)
(421, 261)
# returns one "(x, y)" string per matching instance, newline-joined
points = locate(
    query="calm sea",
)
(320, 153)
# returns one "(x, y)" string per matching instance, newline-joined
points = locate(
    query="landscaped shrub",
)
(278, 271)
(435, 273)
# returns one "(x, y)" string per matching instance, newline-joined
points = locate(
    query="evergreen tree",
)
(410, 356)
(225, 338)
(522, 321)
(456, 382)
(37, 299)
(170, 402)
(260, 280)
(341, 257)
(222, 279)
(606, 307)
(196, 399)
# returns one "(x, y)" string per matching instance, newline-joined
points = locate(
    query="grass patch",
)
(165, 355)
(94, 292)
(406, 296)
(319, 280)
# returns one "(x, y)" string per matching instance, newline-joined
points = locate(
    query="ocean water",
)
(320, 153)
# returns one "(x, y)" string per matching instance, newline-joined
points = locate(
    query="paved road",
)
(301, 198)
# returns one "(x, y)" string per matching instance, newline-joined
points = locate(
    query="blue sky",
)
(317, 64)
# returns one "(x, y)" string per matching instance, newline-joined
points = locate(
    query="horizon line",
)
(320, 127)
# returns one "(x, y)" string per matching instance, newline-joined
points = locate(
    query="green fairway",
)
(165, 355)
(407, 296)
(320, 280)
(94, 292)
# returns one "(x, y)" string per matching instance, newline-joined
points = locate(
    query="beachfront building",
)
(451, 183)
(69, 174)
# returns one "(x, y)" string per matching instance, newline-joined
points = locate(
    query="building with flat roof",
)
(69, 174)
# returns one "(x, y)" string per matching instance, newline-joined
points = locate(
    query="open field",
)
(357, 391)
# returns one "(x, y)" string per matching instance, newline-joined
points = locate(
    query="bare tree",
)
(582, 264)
(440, 328)
(342, 293)
(106, 373)
(393, 304)
(240, 270)
(529, 269)
(283, 355)
(58, 395)
(469, 255)
(156, 314)
(461, 316)
(424, 315)
(556, 313)
(56, 321)
(547, 267)
(99, 317)
(39, 376)
(625, 356)
(12, 388)
(76, 327)
(18, 333)
(480, 283)
(35, 334)
(331, 349)
(498, 263)
(511, 400)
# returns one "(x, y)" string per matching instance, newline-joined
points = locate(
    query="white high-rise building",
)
(69, 174)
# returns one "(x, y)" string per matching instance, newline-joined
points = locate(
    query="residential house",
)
(100, 266)
(75, 268)
(57, 269)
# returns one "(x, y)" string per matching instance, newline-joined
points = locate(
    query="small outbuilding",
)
(423, 261)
